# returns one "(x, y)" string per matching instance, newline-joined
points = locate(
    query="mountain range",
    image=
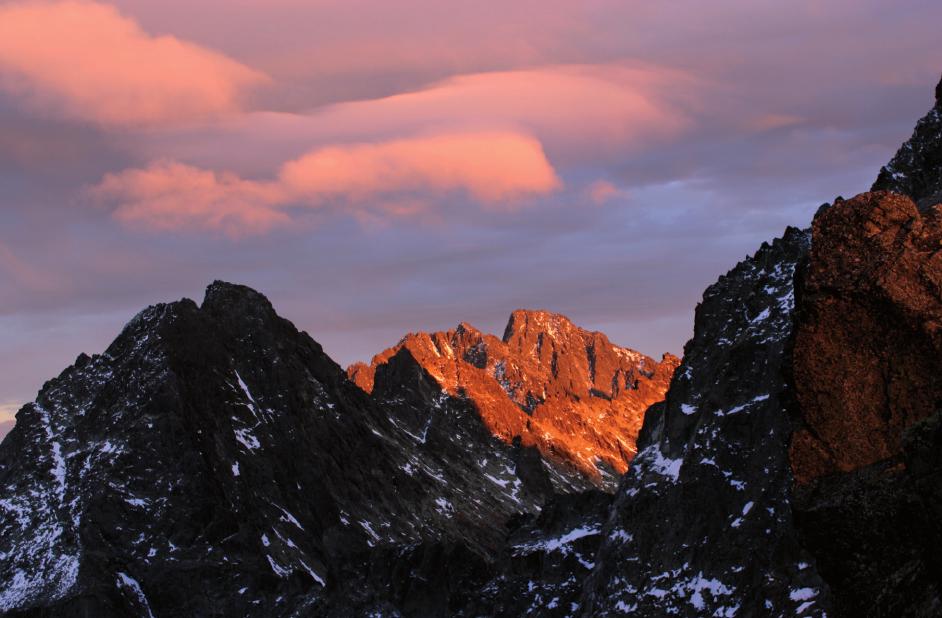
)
(215, 461)
(572, 394)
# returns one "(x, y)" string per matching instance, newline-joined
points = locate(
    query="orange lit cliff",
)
(571, 393)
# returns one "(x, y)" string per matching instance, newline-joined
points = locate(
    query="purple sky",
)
(377, 168)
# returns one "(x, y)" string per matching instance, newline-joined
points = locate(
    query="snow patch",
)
(669, 468)
(247, 439)
(126, 582)
(803, 594)
(443, 506)
(560, 543)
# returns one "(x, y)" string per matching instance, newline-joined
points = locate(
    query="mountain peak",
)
(223, 298)
(549, 384)
(524, 321)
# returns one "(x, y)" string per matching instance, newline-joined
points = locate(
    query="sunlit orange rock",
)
(569, 392)
(868, 346)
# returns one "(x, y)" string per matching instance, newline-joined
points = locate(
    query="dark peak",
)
(240, 303)
(404, 375)
(916, 168)
(147, 322)
(796, 235)
(769, 253)
(222, 293)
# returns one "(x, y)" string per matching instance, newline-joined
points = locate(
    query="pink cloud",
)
(85, 60)
(491, 167)
(602, 191)
(496, 169)
(338, 50)
(169, 195)
(580, 115)
(574, 108)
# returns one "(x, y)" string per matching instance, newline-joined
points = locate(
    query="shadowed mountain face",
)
(213, 461)
(570, 393)
(702, 525)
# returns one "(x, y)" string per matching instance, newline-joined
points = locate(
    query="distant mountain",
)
(570, 393)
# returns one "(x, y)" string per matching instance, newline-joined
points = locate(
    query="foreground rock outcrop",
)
(869, 341)
(868, 379)
(570, 393)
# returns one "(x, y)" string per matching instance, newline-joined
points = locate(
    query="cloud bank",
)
(85, 60)
(496, 169)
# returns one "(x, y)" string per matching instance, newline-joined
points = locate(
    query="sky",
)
(377, 168)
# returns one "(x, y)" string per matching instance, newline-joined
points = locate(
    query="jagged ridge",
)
(570, 393)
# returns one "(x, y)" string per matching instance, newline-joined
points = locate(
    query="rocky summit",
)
(213, 461)
(570, 393)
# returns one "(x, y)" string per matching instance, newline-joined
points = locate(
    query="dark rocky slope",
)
(702, 525)
(214, 461)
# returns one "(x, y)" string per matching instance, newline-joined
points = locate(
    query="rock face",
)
(570, 393)
(869, 341)
(867, 377)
